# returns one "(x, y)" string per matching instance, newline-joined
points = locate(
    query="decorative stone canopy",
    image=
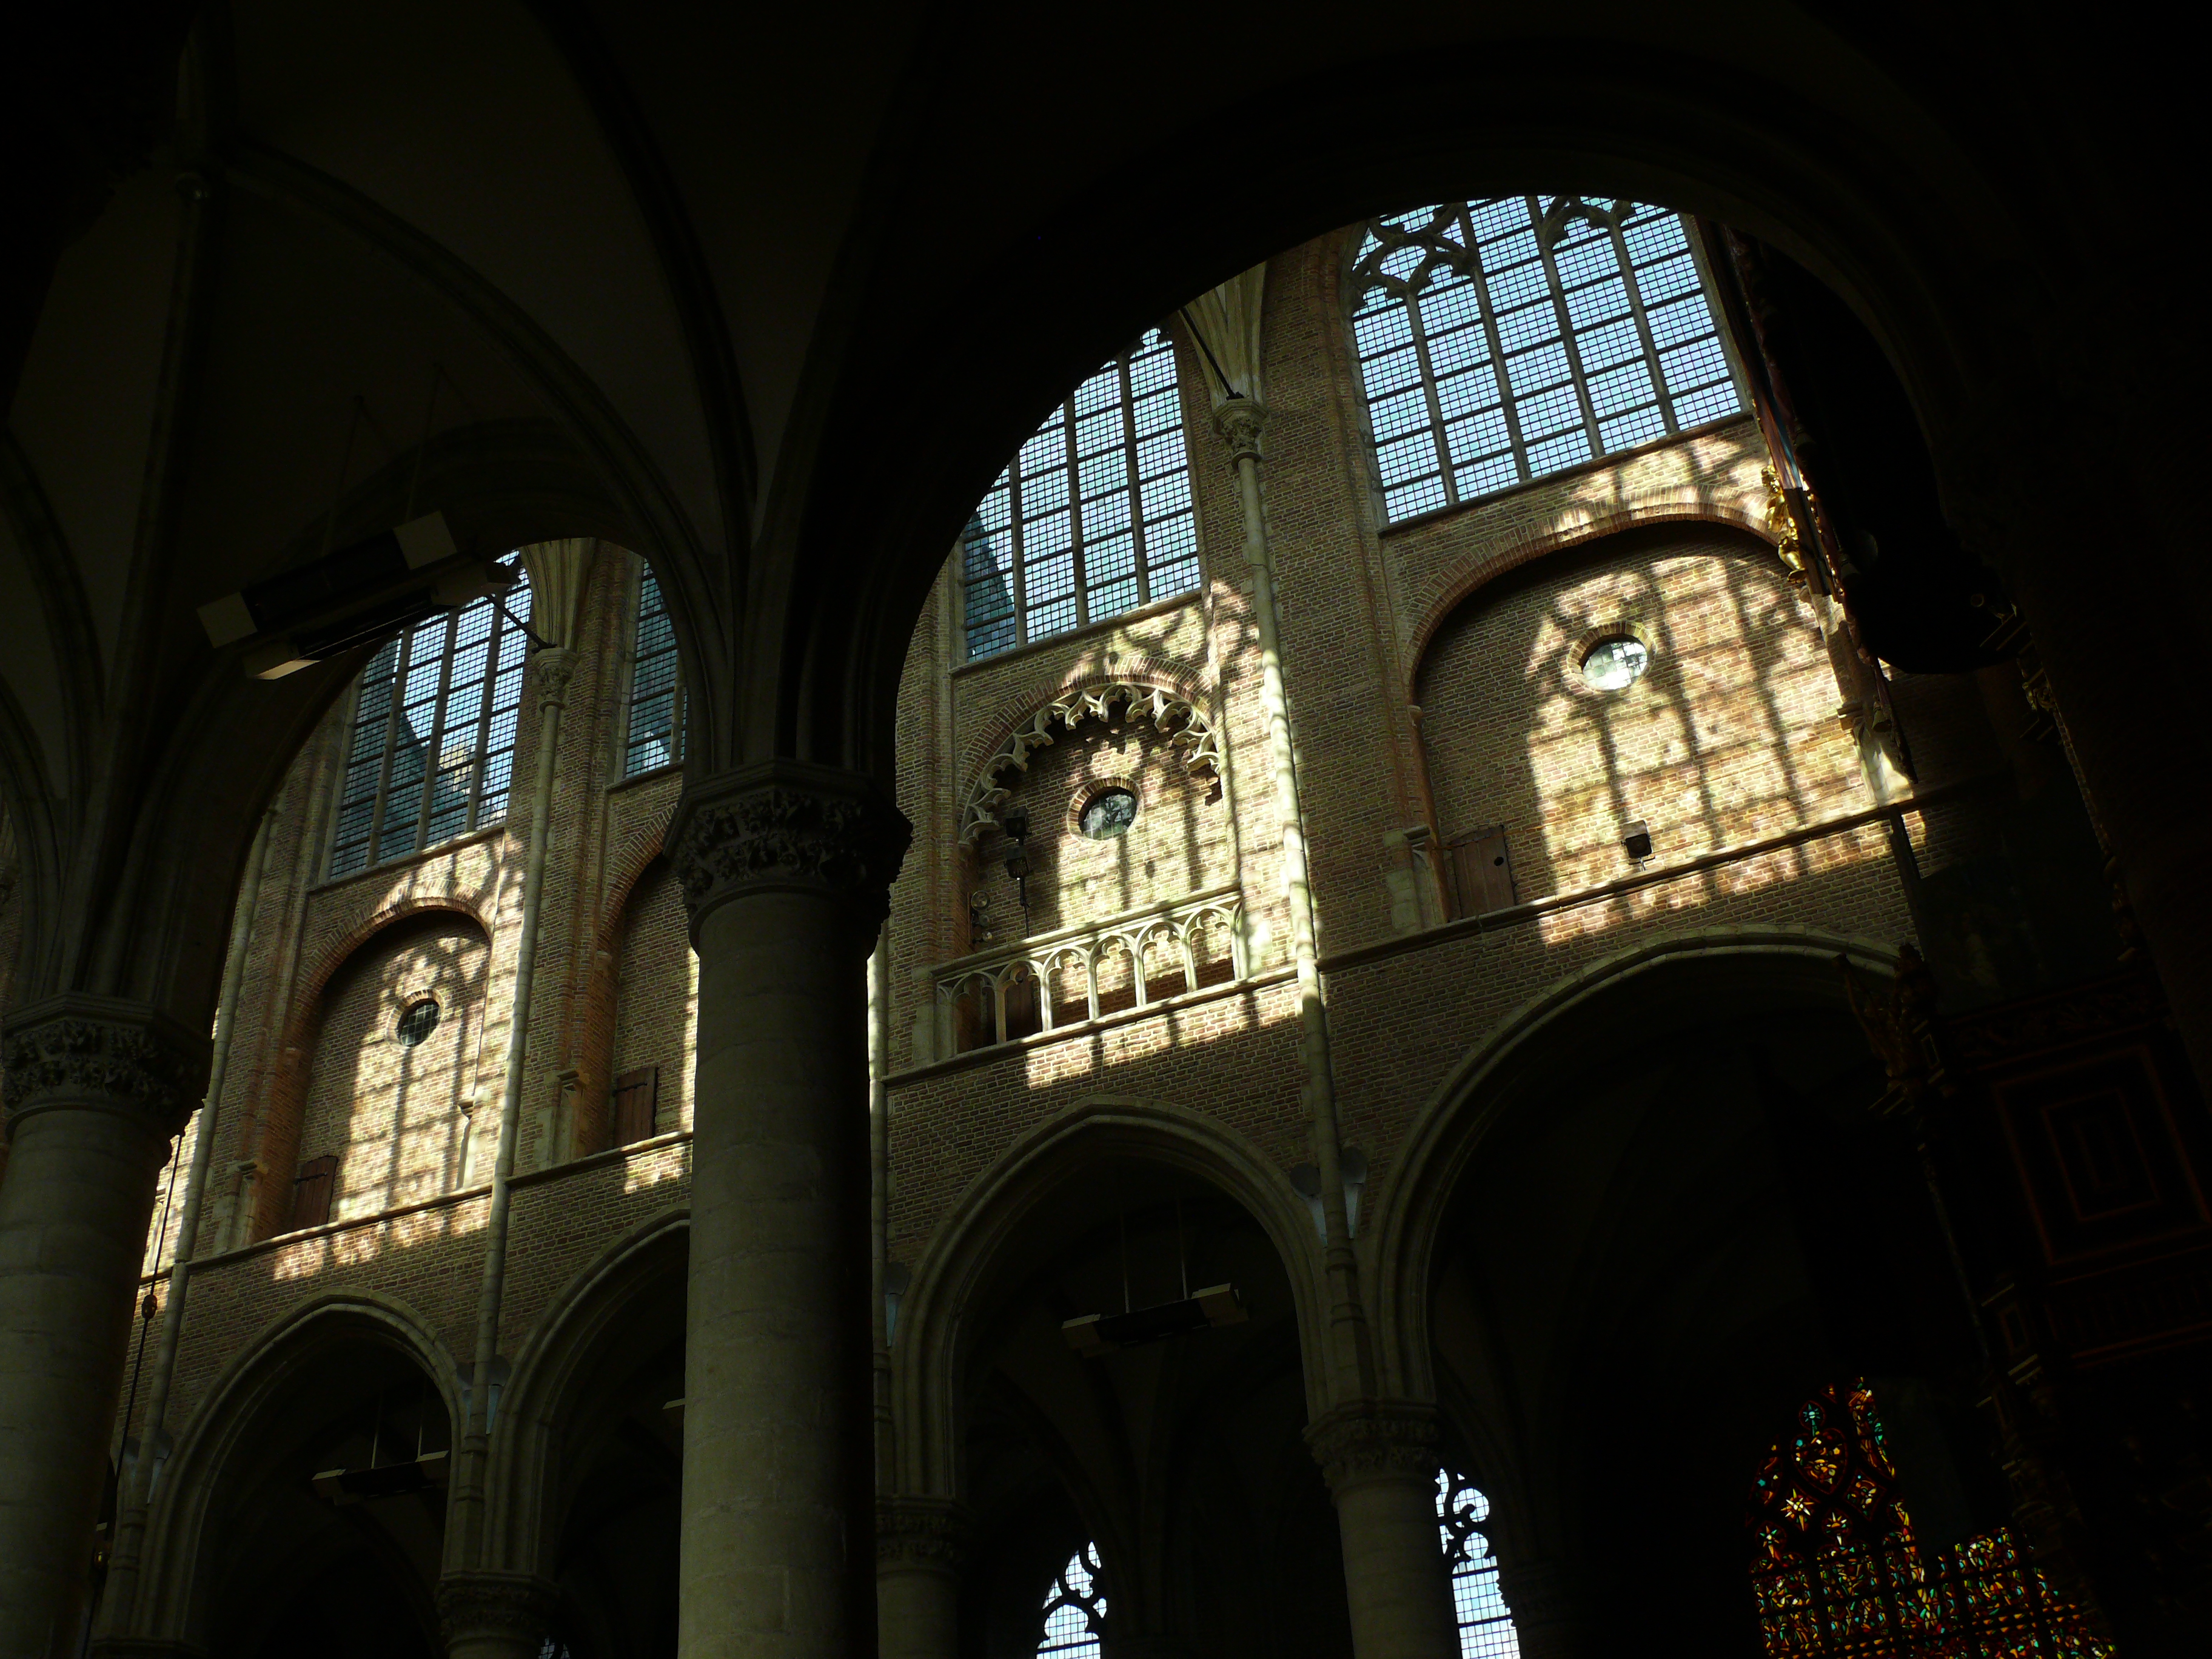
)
(1188, 731)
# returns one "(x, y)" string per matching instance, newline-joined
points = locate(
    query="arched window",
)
(656, 687)
(1074, 1609)
(1093, 517)
(1505, 340)
(432, 749)
(1485, 1625)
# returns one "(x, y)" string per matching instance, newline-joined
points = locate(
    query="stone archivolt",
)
(104, 1051)
(1188, 731)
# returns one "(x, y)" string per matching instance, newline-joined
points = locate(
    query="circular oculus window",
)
(1108, 813)
(420, 1019)
(1616, 663)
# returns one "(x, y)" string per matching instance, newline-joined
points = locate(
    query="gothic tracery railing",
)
(1077, 974)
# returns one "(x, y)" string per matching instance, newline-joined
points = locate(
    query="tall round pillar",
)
(94, 1088)
(919, 1548)
(1380, 1463)
(786, 872)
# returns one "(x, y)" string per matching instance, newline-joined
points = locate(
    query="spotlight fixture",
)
(1096, 1334)
(1636, 840)
(350, 598)
(1016, 823)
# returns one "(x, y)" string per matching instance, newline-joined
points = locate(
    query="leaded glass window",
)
(1837, 1572)
(1092, 517)
(1074, 1610)
(656, 685)
(431, 751)
(1485, 1625)
(1507, 339)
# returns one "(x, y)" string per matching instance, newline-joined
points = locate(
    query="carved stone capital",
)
(784, 827)
(1375, 1440)
(1239, 422)
(487, 1609)
(554, 668)
(928, 1535)
(103, 1053)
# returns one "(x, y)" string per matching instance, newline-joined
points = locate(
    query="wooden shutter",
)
(311, 1191)
(637, 1099)
(1482, 875)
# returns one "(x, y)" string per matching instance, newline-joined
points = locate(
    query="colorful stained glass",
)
(1837, 1574)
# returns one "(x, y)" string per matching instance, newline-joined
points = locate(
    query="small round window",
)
(419, 1021)
(1108, 813)
(1614, 664)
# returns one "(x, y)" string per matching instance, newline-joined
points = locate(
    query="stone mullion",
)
(1489, 315)
(1570, 345)
(432, 760)
(393, 704)
(1635, 311)
(1417, 325)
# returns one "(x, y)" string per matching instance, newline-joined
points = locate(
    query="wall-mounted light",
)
(1636, 840)
(897, 1276)
(1016, 823)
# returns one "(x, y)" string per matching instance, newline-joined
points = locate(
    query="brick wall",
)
(657, 995)
(1730, 735)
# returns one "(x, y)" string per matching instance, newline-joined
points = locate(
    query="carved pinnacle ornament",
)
(1239, 421)
(482, 1606)
(109, 1051)
(1374, 1440)
(921, 1532)
(789, 827)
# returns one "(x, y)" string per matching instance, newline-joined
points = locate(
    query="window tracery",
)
(431, 751)
(1485, 1624)
(1074, 1610)
(656, 685)
(1093, 517)
(1506, 339)
(1837, 1573)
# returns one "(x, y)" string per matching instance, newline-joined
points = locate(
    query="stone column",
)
(785, 871)
(1381, 1461)
(94, 1088)
(495, 1615)
(919, 1546)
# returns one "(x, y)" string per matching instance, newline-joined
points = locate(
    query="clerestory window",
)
(431, 751)
(1074, 1610)
(1485, 1625)
(656, 685)
(1507, 339)
(1093, 517)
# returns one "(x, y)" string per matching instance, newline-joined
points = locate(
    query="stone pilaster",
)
(1380, 1459)
(785, 871)
(93, 1088)
(495, 1615)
